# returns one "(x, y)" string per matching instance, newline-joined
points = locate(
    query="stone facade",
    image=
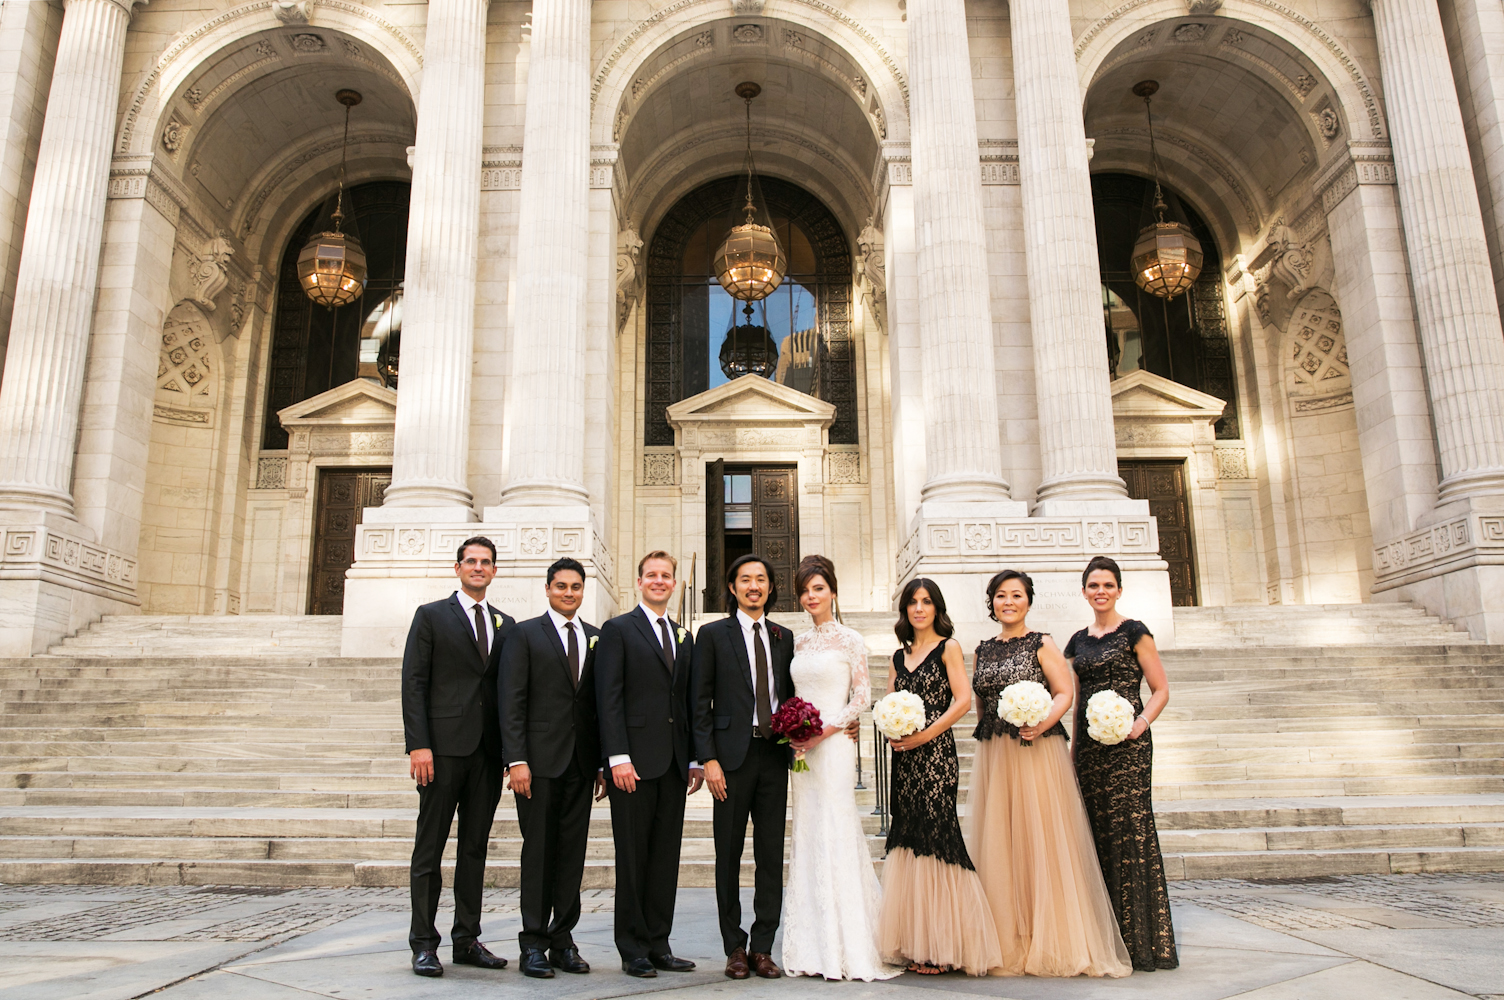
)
(1344, 160)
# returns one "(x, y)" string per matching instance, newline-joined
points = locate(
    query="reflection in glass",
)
(738, 502)
(789, 317)
(381, 339)
(1125, 340)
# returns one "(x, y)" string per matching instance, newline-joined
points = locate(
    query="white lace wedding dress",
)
(831, 904)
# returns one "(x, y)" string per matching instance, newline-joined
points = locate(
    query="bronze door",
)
(750, 509)
(775, 527)
(343, 496)
(1163, 485)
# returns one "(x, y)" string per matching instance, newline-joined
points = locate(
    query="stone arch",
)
(1354, 96)
(879, 71)
(153, 97)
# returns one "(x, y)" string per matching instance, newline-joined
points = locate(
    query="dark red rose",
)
(796, 720)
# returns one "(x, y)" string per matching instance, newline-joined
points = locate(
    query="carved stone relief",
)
(209, 271)
(187, 370)
(870, 266)
(1316, 355)
(628, 285)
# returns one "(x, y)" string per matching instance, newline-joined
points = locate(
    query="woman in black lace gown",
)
(934, 914)
(1117, 654)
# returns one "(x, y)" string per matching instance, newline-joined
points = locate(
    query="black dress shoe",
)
(534, 963)
(669, 963)
(568, 959)
(426, 963)
(477, 954)
(639, 967)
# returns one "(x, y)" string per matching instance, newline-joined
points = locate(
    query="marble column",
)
(546, 448)
(49, 335)
(1460, 333)
(431, 446)
(962, 444)
(1077, 449)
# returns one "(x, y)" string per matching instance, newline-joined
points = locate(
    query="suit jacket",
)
(643, 703)
(545, 719)
(448, 690)
(724, 697)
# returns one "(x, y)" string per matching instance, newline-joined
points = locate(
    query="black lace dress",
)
(1116, 784)
(926, 779)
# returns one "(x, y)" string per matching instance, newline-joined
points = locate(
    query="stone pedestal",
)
(54, 581)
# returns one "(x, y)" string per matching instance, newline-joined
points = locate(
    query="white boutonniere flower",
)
(497, 618)
(682, 633)
(593, 640)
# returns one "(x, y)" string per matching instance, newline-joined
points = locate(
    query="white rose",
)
(1024, 704)
(898, 714)
(1109, 717)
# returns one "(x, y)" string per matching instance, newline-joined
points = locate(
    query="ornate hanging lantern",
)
(749, 350)
(332, 267)
(750, 264)
(1167, 256)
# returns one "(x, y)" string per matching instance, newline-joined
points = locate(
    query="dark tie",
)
(574, 654)
(480, 634)
(764, 702)
(668, 645)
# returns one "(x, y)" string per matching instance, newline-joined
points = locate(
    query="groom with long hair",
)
(741, 673)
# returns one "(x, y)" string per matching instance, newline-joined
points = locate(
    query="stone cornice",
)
(1366, 161)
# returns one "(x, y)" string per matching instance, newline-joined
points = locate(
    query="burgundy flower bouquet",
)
(797, 720)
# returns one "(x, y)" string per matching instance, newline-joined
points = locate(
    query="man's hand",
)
(600, 785)
(715, 779)
(696, 779)
(420, 766)
(625, 776)
(522, 780)
(854, 730)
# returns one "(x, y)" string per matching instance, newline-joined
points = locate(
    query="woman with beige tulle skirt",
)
(1026, 826)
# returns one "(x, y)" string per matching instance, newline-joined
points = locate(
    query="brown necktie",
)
(574, 654)
(668, 645)
(764, 702)
(480, 635)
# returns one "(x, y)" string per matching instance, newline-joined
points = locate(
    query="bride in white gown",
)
(831, 904)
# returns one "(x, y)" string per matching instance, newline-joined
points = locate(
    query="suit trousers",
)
(473, 786)
(759, 789)
(648, 828)
(555, 824)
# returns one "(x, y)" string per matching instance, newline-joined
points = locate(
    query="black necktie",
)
(668, 645)
(574, 654)
(480, 635)
(764, 702)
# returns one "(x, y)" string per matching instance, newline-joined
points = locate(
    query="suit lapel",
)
(560, 651)
(653, 637)
(469, 627)
(739, 643)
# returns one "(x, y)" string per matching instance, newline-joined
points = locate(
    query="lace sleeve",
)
(861, 684)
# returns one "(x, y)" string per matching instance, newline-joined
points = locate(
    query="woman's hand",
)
(1140, 727)
(912, 740)
(1030, 733)
(806, 745)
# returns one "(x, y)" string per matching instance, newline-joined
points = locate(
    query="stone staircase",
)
(1242, 625)
(245, 764)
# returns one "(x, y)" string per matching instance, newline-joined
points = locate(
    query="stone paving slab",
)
(1387, 937)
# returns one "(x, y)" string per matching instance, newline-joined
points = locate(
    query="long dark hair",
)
(729, 596)
(905, 628)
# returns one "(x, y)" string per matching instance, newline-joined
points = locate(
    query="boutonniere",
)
(682, 633)
(497, 619)
(772, 630)
(593, 640)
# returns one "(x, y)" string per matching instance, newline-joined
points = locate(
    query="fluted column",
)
(962, 444)
(1077, 448)
(431, 447)
(1460, 334)
(55, 285)
(547, 391)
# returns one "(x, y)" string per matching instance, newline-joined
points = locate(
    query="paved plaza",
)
(1398, 937)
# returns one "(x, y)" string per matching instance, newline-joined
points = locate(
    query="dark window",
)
(689, 314)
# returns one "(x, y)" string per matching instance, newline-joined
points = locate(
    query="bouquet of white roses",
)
(898, 714)
(1025, 703)
(1109, 717)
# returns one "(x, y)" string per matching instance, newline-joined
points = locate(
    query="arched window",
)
(689, 315)
(315, 349)
(1183, 339)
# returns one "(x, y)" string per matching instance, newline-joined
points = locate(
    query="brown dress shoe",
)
(736, 965)
(764, 966)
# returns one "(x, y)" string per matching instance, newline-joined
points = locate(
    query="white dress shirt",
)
(746, 623)
(469, 606)
(558, 621)
(673, 640)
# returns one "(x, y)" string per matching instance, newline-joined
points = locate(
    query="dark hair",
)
(905, 628)
(459, 555)
(1002, 578)
(735, 568)
(811, 567)
(1102, 562)
(560, 565)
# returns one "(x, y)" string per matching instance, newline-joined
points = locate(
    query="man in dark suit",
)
(642, 666)
(741, 673)
(553, 746)
(453, 734)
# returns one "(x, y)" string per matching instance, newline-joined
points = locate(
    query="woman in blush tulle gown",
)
(830, 906)
(1025, 824)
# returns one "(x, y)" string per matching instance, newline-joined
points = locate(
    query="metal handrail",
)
(880, 760)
